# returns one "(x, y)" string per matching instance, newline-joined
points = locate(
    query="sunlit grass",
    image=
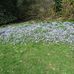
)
(37, 58)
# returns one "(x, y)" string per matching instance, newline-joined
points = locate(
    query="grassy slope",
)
(36, 58)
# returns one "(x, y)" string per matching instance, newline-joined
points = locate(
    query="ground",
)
(38, 48)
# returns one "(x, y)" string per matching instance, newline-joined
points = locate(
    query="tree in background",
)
(27, 8)
(8, 11)
(11, 10)
(68, 9)
(31, 9)
(58, 6)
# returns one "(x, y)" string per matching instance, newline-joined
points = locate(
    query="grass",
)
(37, 58)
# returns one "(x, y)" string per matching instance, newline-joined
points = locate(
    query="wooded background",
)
(21, 10)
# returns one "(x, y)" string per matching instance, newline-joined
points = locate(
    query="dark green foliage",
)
(25, 9)
(10, 5)
(12, 10)
(58, 5)
(6, 16)
(8, 11)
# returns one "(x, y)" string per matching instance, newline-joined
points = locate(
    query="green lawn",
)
(37, 58)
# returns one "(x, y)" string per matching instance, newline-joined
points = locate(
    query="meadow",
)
(45, 48)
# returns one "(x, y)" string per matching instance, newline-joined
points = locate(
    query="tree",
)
(8, 11)
(58, 5)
